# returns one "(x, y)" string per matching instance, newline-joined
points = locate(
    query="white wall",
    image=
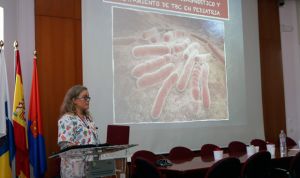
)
(291, 66)
(19, 25)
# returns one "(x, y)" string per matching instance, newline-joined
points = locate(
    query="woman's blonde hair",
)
(68, 104)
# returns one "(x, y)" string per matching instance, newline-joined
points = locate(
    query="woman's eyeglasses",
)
(86, 98)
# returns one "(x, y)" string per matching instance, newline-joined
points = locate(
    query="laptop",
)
(117, 135)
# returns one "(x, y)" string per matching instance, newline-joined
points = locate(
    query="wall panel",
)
(271, 69)
(58, 42)
(59, 8)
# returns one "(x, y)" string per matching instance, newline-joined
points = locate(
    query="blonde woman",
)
(75, 127)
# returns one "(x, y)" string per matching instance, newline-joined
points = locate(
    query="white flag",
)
(4, 95)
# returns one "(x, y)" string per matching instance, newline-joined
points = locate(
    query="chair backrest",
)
(117, 134)
(146, 169)
(237, 147)
(144, 154)
(295, 166)
(225, 168)
(290, 142)
(180, 153)
(208, 149)
(259, 142)
(257, 165)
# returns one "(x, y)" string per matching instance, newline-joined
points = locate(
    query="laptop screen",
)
(117, 135)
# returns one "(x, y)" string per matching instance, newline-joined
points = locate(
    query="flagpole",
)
(20, 122)
(37, 149)
(35, 55)
(6, 147)
(1, 45)
(15, 45)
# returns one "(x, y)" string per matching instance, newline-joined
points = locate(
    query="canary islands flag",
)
(36, 140)
(7, 149)
(20, 124)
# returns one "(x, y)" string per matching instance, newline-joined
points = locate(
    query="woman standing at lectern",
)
(75, 127)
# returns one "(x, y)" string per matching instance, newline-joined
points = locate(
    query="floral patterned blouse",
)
(74, 131)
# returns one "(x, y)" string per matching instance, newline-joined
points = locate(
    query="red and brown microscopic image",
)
(167, 68)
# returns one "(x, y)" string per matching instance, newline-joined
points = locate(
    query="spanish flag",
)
(7, 149)
(20, 125)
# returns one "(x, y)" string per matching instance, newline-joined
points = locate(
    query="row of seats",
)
(184, 153)
(262, 144)
(257, 166)
(234, 147)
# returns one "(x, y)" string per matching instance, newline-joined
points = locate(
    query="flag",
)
(36, 140)
(7, 149)
(20, 125)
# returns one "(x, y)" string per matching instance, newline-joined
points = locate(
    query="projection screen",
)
(179, 72)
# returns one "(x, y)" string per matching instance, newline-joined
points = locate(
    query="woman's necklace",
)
(84, 121)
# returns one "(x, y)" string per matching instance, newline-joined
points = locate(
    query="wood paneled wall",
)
(271, 69)
(58, 43)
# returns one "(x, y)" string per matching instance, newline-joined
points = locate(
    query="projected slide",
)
(167, 68)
